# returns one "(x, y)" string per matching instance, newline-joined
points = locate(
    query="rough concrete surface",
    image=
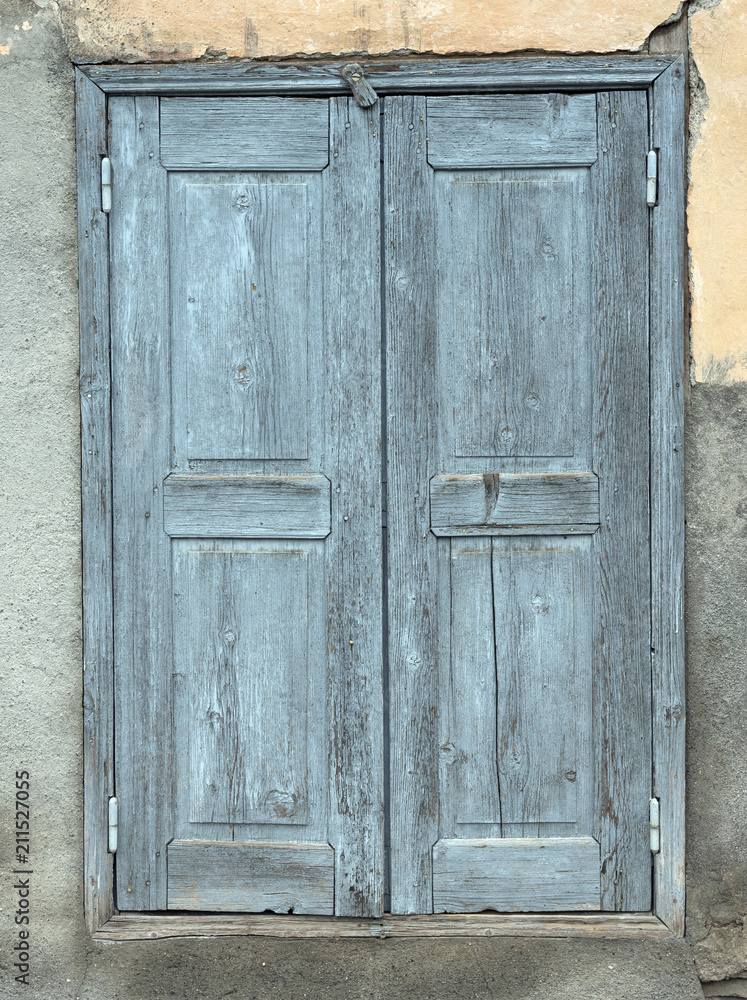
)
(40, 656)
(716, 624)
(260, 969)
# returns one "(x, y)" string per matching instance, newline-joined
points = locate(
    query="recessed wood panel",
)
(543, 630)
(246, 305)
(244, 133)
(517, 696)
(247, 667)
(512, 315)
(512, 130)
(253, 876)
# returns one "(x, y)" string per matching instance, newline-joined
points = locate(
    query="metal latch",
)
(363, 92)
(113, 818)
(651, 175)
(653, 822)
(106, 185)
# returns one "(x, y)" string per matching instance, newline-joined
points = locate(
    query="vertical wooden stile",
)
(95, 409)
(412, 552)
(142, 459)
(622, 675)
(667, 493)
(353, 457)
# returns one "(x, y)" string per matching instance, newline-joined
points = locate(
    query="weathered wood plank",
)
(512, 130)
(386, 76)
(668, 381)
(622, 673)
(559, 873)
(233, 876)
(412, 452)
(246, 506)
(470, 756)
(141, 927)
(550, 503)
(244, 133)
(245, 301)
(352, 282)
(141, 460)
(247, 643)
(95, 408)
(509, 314)
(249, 693)
(541, 591)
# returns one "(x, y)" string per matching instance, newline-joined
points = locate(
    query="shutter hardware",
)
(653, 822)
(113, 818)
(363, 92)
(106, 185)
(651, 178)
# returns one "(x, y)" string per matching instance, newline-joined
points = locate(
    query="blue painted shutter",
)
(517, 388)
(247, 504)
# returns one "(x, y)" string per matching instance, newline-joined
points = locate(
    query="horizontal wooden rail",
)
(386, 75)
(247, 506)
(515, 504)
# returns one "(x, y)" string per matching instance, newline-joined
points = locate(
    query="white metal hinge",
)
(106, 185)
(113, 818)
(653, 822)
(651, 178)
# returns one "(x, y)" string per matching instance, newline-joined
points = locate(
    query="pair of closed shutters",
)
(430, 316)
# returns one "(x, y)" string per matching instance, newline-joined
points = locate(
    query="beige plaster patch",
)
(132, 30)
(717, 214)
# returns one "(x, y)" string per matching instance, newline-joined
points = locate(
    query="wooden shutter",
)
(517, 387)
(247, 504)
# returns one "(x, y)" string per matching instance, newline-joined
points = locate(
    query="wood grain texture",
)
(516, 874)
(542, 603)
(247, 663)
(246, 506)
(233, 876)
(244, 133)
(141, 448)
(250, 690)
(247, 304)
(622, 690)
(95, 408)
(387, 76)
(352, 282)
(556, 503)
(142, 927)
(412, 451)
(472, 794)
(509, 312)
(512, 130)
(668, 380)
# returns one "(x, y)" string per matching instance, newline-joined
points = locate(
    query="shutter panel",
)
(517, 478)
(247, 504)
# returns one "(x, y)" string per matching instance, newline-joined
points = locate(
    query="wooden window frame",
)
(664, 79)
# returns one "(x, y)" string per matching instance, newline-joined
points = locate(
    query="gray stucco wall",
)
(40, 656)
